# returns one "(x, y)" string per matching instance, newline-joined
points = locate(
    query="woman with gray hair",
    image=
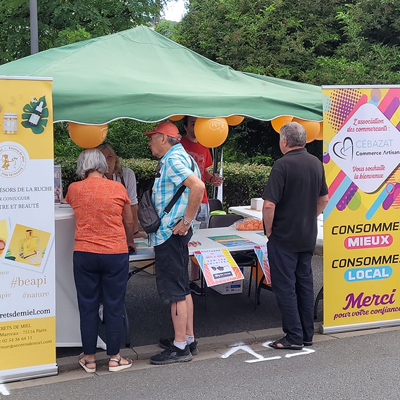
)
(104, 230)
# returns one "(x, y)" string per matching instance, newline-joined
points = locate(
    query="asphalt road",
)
(357, 366)
(149, 318)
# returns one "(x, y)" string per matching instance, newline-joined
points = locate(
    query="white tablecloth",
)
(246, 211)
(202, 236)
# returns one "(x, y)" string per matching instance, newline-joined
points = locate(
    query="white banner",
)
(27, 256)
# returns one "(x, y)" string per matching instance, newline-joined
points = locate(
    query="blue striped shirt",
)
(176, 166)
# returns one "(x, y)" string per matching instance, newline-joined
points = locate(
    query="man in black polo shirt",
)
(296, 193)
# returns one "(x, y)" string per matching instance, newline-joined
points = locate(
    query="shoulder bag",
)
(147, 214)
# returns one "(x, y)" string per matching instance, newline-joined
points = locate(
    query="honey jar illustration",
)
(10, 123)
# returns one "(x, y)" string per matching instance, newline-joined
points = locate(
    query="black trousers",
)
(292, 283)
(99, 275)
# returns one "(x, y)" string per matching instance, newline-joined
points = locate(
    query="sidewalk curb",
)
(205, 344)
(214, 343)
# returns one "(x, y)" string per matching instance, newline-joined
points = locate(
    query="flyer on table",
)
(27, 258)
(362, 220)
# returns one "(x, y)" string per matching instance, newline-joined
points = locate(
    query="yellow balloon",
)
(234, 120)
(211, 132)
(312, 128)
(320, 135)
(87, 136)
(175, 117)
(278, 122)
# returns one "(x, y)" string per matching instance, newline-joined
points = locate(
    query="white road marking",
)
(263, 359)
(245, 348)
(259, 357)
(302, 353)
(3, 390)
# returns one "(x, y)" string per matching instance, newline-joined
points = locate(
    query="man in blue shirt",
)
(171, 240)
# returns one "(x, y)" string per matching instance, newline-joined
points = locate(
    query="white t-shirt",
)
(130, 183)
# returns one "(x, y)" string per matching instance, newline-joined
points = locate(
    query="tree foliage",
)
(125, 136)
(322, 42)
(318, 42)
(63, 22)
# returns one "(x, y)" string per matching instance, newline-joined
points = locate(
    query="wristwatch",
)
(186, 222)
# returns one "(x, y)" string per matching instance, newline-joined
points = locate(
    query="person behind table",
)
(104, 230)
(126, 176)
(171, 240)
(202, 156)
(295, 194)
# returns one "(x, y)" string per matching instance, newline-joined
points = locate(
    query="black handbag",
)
(148, 217)
(147, 214)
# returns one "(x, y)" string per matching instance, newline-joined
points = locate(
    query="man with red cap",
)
(171, 240)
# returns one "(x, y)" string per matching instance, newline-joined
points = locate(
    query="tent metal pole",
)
(215, 169)
(34, 26)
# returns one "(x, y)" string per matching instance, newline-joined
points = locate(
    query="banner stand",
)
(18, 374)
(358, 327)
(361, 139)
(27, 229)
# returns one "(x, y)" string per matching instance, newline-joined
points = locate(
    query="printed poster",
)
(218, 266)
(362, 220)
(262, 257)
(27, 257)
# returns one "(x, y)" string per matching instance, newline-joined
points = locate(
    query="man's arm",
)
(196, 187)
(321, 204)
(268, 216)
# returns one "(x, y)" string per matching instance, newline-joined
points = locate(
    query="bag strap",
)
(177, 194)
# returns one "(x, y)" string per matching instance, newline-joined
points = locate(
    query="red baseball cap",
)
(166, 128)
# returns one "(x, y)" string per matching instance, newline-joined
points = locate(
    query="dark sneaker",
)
(172, 355)
(196, 289)
(166, 343)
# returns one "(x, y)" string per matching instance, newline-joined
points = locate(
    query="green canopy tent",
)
(142, 75)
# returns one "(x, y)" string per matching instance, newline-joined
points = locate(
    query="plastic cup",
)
(196, 226)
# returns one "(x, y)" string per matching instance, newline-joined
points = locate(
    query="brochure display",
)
(361, 222)
(218, 266)
(27, 257)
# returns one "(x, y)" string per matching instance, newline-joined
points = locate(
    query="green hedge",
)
(242, 181)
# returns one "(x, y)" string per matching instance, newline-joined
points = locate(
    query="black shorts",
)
(172, 259)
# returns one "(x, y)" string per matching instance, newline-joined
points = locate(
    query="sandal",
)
(284, 344)
(84, 364)
(120, 366)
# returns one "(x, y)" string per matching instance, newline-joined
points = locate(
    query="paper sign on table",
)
(218, 266)
(231, 240)
(262, 256)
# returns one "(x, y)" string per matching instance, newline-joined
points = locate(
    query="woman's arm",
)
(127, 220)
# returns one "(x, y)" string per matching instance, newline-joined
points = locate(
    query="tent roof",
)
(142, 75)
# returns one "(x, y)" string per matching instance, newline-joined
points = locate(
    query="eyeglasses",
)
(218, 267)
